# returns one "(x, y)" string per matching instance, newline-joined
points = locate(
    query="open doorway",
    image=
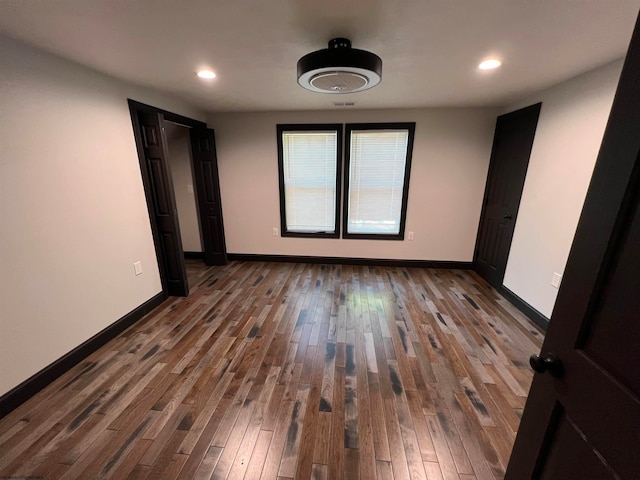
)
(181, 170)
(152, 129)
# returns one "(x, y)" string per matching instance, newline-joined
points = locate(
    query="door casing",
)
(202, 188)
(512, 144)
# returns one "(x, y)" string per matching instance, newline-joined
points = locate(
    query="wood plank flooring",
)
(280, 371)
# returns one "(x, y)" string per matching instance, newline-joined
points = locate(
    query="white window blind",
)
(377, 161)
(310, 164)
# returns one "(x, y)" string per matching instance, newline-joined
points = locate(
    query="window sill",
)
(373, 236)
(310, 234)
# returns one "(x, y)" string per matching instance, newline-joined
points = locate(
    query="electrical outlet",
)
(410, 236)
(137, 268)
(555, 280)
(275, 232)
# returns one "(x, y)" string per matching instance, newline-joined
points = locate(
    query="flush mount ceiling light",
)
(206, 74)
(489, 64)
(339, 69)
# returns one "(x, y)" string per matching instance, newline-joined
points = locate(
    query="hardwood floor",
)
(280, 371)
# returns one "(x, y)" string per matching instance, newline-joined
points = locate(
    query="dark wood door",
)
(205, 169)
(584, 422)
(512, 144)
(161, 202)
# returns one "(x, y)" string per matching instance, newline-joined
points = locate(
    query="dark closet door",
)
(161, 199)
(205, 169)
(582, 421)
(512, 144)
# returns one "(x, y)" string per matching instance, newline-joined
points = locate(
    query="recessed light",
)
(206, 74)
(490, 64)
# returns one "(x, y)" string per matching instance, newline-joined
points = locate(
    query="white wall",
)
(448, 174)
(72, 205)
(570, 129)
(182, 175)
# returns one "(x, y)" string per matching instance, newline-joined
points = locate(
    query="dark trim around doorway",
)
(169, 116)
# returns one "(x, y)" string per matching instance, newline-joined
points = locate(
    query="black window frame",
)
(349, 127)
(310, 127)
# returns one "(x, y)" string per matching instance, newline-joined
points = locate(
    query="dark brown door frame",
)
(513, 140)
(512, 144)
(202, 190)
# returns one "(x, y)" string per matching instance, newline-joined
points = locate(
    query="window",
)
(377, 168)
(376, 180)
(309, 165)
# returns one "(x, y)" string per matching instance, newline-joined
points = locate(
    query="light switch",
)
(189, 188)
(555, 280)
(137, 268)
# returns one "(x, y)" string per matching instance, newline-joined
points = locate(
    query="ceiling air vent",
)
(339, 69)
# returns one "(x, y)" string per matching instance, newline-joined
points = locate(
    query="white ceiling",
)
(429, 48)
